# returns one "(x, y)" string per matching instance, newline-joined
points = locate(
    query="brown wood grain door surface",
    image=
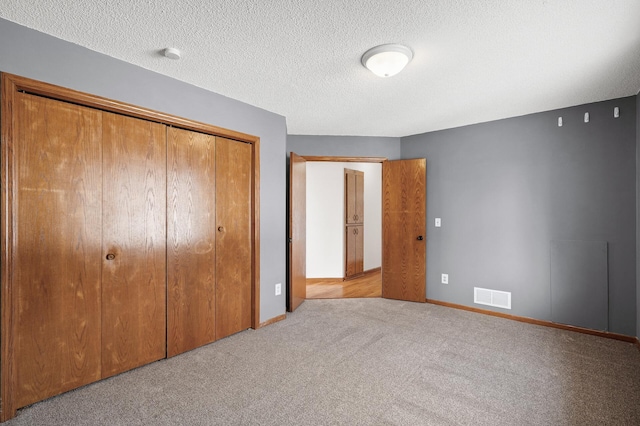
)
(233, 239)
(354, 196)
(359, 207)
(191, 240)
(57, 247)
(350, 251)
(350, 196)
(297, 291)
(354, 238)
(403, 230)
(84, 238)
(134, 233)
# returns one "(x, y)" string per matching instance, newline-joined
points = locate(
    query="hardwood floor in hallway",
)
(369, 285)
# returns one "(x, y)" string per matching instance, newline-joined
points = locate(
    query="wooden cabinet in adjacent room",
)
(125, 239)
(354, 222)
(354, 196)
(355, 250)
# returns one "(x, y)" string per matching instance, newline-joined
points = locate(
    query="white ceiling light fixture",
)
(387, 60)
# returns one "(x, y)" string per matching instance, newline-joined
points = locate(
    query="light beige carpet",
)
(371, 362)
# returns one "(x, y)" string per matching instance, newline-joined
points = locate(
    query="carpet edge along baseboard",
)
(606, 334)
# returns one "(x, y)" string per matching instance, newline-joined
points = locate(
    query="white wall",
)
(325, 217)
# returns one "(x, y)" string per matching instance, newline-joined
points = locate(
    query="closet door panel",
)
(233, 240)
(57, 247)
(134, 243)
(191, 237)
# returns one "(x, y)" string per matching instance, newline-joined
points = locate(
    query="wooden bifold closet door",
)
(134, 243)
(125, 239)
(58, 240)
(233, 240)
(90, 248)
(191, 240)
(209, 239)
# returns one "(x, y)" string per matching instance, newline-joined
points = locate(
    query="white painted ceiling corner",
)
(473, 61)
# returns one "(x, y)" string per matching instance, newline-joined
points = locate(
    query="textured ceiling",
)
(474, 60)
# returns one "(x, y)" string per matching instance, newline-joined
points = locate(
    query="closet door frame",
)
(10, 85)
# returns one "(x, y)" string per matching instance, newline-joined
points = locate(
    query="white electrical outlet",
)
(445, 278)
(278, 289)
(438, 222)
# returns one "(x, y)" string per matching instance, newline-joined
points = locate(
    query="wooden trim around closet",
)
(255, 217)
(11, 84)
(7, 327)
(104, 104)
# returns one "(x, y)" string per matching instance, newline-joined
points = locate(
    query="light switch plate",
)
(438, 222)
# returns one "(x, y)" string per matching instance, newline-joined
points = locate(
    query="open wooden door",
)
(403, 230)
(297, 290)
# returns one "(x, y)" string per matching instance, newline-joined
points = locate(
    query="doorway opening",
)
(344, 236)
(403, 227)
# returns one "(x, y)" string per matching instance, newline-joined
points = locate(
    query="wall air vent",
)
(499, 299)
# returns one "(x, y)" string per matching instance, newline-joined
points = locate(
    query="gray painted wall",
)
(344, 146)
(39, 56)
(505, 189)
(638, 214)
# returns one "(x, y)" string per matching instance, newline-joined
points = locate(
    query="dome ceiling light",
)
(387, 60)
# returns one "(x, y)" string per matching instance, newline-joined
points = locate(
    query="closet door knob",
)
(420, 238)
(111, 256)
(220, 228)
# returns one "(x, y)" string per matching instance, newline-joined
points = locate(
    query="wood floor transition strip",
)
(606, 334)
(363, 274)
